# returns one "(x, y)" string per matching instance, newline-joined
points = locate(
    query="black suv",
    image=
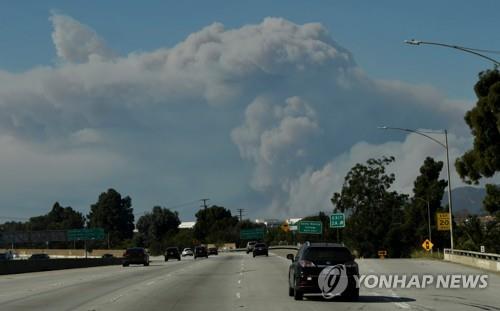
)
(172, 252)
(260, 249)
(213, 251)
(200, 251)
(135, 255)
(309, 262)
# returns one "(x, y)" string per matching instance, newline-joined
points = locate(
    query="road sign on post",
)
(310, 227)
(285, 227)
(85, 234)
(337, 220)
(443, 221)
(382, 254)
(252, 234)
(427, 245)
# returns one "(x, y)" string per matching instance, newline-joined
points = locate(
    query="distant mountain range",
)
(466, 200)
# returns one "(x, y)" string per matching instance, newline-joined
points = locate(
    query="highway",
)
(230, 281)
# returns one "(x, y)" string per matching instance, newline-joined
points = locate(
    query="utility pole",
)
(204, 203)
(240, 211)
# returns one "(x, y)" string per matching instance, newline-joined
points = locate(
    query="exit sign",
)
(337, 220)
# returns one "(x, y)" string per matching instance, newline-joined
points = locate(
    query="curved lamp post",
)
(445, 146)
(457, 47)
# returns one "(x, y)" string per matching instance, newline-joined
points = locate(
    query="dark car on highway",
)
(311, 259)
(260, 249)
(200, 251)
(6, 256)
(135, 256)
(172, 252)
(213, 251)
(39, 257)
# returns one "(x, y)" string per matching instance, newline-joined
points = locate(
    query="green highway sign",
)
(252, 234)
(310, 227)
(337, 220)
(86, 234)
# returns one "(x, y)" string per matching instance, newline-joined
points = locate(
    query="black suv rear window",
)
(323, 254)
(260, 245)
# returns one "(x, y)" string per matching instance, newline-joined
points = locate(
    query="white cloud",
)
(276, 105)
(77, 43)
(276, 139)
(312, 191)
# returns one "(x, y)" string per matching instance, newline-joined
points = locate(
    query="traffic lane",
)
(267, 286)
(14, 285)
(437, 298)
(67, 289)
(424, 298)
(207, 284)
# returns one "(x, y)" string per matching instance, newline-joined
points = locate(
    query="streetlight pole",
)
(445, 146)
(457, 47)
(428, 217)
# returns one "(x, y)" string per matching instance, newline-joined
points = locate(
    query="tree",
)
(375, 214)
(427, 189)
(156, 227)
(215, 225)
(491, 202)
(484, 120)
(114, 214)
(483, 160)
(59, 218)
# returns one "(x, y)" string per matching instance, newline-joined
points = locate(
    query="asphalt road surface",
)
(231, 281)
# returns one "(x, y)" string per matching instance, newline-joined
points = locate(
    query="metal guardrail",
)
(488, 256)
(292, 247)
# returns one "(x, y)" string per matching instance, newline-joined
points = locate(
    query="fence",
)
(487, 261)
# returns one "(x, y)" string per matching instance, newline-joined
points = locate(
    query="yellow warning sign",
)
(443, 221)
(427, 245)
(285, 227)
(382, 254)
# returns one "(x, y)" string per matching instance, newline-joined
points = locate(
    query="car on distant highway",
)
(135, 256)
(213, 251)
(172, 252)
(250, 246)
(187, 252)
(260, 249)
(6, 256)
(39, 256)
(107, 255)
(200, 251)
(309, 262)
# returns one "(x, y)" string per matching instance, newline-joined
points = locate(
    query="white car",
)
(187, 252)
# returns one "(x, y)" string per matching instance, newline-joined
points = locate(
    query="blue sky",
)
(268, 116)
